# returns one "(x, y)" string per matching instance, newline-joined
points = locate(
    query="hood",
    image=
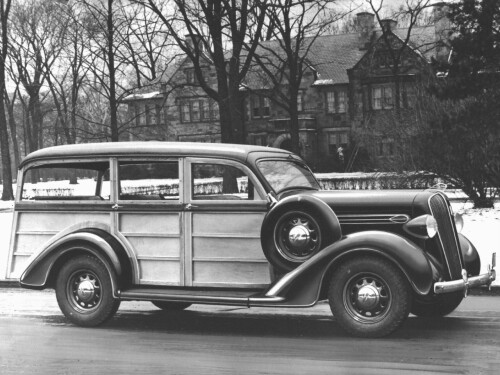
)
(374, 201)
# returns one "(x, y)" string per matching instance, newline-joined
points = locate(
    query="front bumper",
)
(467, 282)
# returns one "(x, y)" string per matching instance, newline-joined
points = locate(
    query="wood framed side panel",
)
(156, 242)
(226, 250)
(33, 230)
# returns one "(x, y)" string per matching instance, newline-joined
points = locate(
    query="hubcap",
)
(297, 236)
(367, 298)
(84, 291)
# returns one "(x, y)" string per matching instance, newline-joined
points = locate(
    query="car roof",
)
(111, 149)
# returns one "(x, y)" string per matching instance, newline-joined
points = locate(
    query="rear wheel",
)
(172, 306)
(84, 291)
(441, 306)
(369, 296)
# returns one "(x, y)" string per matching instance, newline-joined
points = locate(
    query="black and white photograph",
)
(249, 187)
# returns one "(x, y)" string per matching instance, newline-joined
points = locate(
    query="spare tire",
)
(297, 229)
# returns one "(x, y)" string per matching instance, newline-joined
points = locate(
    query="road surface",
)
(141, 339)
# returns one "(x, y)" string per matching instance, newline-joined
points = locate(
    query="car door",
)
(148, 217)
(224, 208)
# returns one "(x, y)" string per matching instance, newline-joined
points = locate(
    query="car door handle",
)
(116, 207)
(190, 206)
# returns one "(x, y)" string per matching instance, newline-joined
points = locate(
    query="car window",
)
(71, 181)
(148, 180)
(286, 174)
(220, 182)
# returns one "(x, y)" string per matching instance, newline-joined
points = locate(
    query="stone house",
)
(348, 90)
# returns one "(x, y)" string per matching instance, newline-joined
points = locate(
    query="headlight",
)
(459, 222)
(424, 226)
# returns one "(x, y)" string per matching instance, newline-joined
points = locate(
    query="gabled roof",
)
(331, 56)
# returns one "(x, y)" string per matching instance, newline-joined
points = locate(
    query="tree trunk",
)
(112, 78)
(13, 133)
(7, 193)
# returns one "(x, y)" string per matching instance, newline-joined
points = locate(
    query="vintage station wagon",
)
(191, 223)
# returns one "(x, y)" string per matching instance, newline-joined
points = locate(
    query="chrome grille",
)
(447, 236)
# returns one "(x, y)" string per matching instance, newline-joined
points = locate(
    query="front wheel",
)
(440, 306)
(84, 291)
(369, 296)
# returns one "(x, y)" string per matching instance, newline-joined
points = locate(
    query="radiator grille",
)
(448, 239)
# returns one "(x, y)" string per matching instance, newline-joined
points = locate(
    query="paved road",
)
(36, 339)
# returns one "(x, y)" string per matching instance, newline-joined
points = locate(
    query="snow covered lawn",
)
(482, 227)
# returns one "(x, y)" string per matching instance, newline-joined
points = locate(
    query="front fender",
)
(37, 273)
(302, 286)
(470, 255)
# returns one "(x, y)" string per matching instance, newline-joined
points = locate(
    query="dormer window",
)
(191, 76)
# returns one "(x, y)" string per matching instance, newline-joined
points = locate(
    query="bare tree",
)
(36, 41)
(147, 45)
(297, 24)
(218, 30)
(7, 194)
(66, 81)
(103, 25)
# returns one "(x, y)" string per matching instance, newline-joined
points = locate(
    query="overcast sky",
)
(363, 5)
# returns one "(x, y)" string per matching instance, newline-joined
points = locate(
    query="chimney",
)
(192, 40)
(388, 25)
(365, 24)
(442, 31)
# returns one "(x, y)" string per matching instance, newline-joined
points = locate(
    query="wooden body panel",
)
(156, 242)
(226, 249)
(34, 230)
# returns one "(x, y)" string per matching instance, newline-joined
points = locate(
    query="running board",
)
(211, 297)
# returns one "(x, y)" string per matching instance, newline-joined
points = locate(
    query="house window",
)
(330, 102)
(191, 76)
(204, 109)
(382, 97)
(142, 115)
(137, 115)
(195, 111)
(266, 107)
(300, 100)
(336, 101)
(185, 112)
(261, 107)
(214, 110)
(159, 117)
(341, 101)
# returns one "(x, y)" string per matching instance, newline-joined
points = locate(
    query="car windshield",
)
(287, 174)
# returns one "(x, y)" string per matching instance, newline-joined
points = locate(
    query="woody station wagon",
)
(191, 223)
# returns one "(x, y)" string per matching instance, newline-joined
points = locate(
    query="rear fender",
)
(38, 272)
(302, 286)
